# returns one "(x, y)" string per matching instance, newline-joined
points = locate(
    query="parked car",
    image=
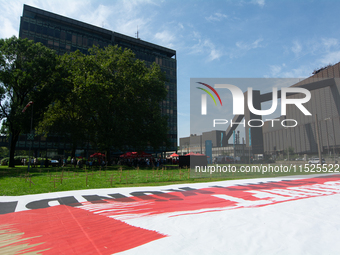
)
(316, 161)
(54, 162)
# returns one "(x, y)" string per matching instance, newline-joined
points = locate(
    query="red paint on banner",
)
(67, 230)
(217, 198)
(95, 228)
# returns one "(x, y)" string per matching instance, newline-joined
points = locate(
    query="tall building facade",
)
(67, 35)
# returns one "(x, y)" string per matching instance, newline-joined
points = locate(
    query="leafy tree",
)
(27, 73)
(64, 116)
(114, 101)
(3, 152)
(126, 109)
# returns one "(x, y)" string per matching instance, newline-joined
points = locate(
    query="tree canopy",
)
(113, 101)
(108, 97)
(27, 73)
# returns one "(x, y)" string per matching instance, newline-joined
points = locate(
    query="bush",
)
(17, 160)
(4, 161)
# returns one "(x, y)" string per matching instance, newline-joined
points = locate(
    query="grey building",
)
(324, 105)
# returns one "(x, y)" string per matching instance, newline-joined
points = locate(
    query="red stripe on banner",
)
(217, 198)
(67, 230)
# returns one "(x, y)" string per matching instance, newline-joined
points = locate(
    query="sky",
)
(212, 39)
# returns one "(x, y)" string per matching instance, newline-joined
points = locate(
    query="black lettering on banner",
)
(143, 195)
(95, 199)
(39, 204)
(8, 207)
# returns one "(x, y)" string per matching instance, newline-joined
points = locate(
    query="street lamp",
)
(31, 134)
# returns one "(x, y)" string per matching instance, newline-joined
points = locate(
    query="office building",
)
(67, 35)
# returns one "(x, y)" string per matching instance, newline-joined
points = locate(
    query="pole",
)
(318, 138)
(333, 141)
(29, 153)
(327, 135)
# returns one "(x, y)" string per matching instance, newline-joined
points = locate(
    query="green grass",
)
(16, 181)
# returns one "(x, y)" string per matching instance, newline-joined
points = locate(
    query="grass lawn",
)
(16, 181)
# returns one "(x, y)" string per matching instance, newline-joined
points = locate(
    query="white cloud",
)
(280, 71)
(165, 38)
(296, 48)
(275, 70)
(259, 2)
(206, 47)
(330, 58)
(329, 42)
(7, 30)
(216, 17)
(248, 46)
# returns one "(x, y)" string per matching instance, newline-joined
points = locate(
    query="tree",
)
(65, 117)
(114, 100)
(126, 111)
(27, 73)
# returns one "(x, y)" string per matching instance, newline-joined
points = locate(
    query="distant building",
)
(324, 105)
(66, 35)
(220, 147)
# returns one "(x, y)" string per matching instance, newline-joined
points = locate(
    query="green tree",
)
(126, 108)
(114, 101)
(27, 73)
(65, 117)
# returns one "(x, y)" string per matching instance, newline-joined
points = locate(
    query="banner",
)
(257, 216)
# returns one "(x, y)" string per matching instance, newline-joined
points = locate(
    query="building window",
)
(68, 37)
(63, 35)
(57, 33)
(32, 27)
(24, 25)
(74, 39)
(80, 40)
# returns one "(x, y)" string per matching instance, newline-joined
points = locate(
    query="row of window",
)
(62, 35)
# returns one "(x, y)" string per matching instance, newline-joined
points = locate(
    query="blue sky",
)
(213, 39)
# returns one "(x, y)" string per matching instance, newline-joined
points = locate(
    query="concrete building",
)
(220, 147)
(324, 106)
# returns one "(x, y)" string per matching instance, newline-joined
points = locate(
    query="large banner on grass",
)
(297, 215)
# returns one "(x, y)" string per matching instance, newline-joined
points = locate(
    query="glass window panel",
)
(24, 25)
(74, 39)
(57, 33)
(51, 32)
(44, 30)
(39, 29)
(90, 42)
(68, 37)
(80, 40)
(63, 35)
(32, 27)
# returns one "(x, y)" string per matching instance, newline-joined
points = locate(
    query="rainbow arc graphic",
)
(204, 97)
